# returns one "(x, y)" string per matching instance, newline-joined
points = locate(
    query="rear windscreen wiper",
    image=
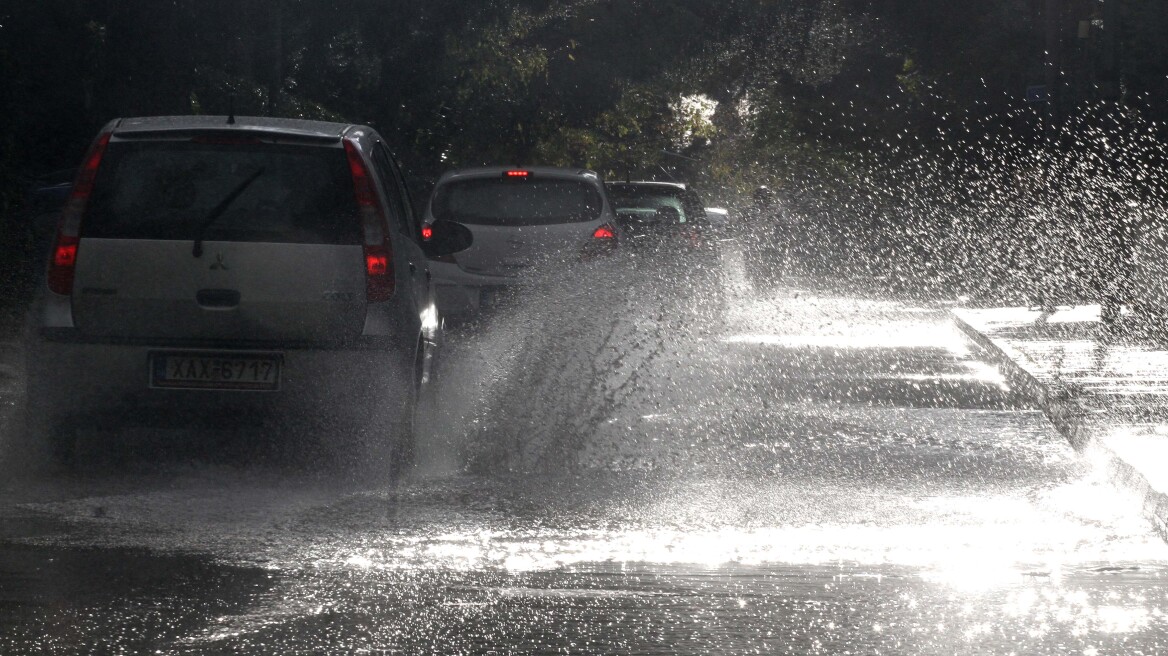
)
(219, 209)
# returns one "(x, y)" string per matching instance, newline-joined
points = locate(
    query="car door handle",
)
(413, 268)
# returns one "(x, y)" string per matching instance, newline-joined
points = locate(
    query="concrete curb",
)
(1073, 420)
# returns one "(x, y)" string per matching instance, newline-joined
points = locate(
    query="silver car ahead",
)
(224, 270)
(519, 218)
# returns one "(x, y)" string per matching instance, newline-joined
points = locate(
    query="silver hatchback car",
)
(517, 219)
(221, 270)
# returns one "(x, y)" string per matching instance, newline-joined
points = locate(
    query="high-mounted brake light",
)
(216, 140)
(517, 174)
(63, 263)
(379, 273)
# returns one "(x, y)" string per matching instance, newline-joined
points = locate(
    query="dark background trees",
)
(818, 97)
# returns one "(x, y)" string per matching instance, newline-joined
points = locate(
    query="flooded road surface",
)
(668, 459)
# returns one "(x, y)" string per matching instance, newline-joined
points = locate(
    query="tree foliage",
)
(815, 96)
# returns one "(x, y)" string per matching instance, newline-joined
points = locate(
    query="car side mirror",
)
(446, 238)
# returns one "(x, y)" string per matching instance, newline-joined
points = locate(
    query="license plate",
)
(251, 371)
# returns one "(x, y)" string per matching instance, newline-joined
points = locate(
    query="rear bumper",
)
(460, 293)
(110, 383)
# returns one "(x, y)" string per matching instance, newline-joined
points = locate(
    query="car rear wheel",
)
(386, 443)
(402, 438)
(380, 444)
(406, 434)
(48, 440)
(1109, 310)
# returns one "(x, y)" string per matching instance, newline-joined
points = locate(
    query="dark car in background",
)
(242, 269)
(660, 214)
(46, 194)
(25, 234)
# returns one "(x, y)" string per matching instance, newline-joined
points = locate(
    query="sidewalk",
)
(1108, 394)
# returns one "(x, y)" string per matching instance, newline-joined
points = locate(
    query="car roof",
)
(161, 126)
(539, 171)
(648, 183)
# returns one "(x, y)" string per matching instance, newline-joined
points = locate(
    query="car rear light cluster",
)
(604, 232)
(603, 242)
(379, 272)
(63, 261)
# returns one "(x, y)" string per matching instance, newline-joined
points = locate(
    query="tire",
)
(422, 408)
(47, 440)
(402, 431)
(1109, 310)
(403, 441)
(49, 437)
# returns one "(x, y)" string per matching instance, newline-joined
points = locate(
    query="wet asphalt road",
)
(663, 460)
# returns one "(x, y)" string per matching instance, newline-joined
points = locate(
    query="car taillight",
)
(63, 261)
(427, 232)
(62, 265)
(603, 242)
(604, 232)
(379, 273)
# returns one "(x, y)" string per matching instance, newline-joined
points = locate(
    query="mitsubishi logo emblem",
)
(218, 264)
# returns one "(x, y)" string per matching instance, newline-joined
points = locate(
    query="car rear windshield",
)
(525, 202)
(169, 189)
(638, 201)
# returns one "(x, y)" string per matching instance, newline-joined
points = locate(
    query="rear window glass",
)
(644, 201)
(517, 202)
(168, 189)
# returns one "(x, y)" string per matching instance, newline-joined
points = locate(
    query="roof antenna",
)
(666, 172)
(231, 109)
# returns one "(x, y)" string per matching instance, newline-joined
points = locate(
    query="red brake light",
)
(83, 183)
(516, 174)
(63, 265)
(65, 254)
(376, 262)
(604, 232)
(379, 283)
(379, 273)
(603, 242)
(63, 262)
(427, 232)
(362, 184)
